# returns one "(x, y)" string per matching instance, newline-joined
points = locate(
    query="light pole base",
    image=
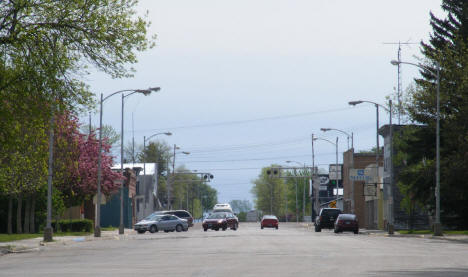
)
(97, 231)
(121, 229)
(391, 229)
(48, 233)
(437, 229)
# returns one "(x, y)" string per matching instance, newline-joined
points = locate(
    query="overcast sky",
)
(245, 83)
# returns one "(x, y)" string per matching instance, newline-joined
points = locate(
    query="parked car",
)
(269, 221)
(326, 219)
(184, 215)
(180, 214)
(163, 222)
(347, 222)
(220, 220)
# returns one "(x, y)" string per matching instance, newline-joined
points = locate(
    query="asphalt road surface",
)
(293, 250)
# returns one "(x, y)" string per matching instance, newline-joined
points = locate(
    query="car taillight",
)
(320, 218)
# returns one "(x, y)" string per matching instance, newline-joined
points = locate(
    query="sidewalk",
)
(384, 233)
(448, 237)
(35, 244)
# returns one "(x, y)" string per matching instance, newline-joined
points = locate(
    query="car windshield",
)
(217, 216)
(331, 212)
(153, 217)
(269, 217)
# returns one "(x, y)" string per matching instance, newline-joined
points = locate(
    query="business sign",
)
(365, 175)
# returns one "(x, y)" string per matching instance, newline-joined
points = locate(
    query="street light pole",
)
(391, 213)
(144, 154)
(297, 207)
(336, 171)
(170, 178)
(145, 92)
(336, 164)
(343, 132)
(313, 192)
(97, 228)
(295, 181)
(437, 223)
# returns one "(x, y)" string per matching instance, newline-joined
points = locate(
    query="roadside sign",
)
(332, 204)
(356, 174)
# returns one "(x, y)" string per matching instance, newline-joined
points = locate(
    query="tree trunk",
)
(18, 213)
(10, 211)
(27, 209)
(32, 225)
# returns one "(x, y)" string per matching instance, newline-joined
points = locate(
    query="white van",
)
(222, 208)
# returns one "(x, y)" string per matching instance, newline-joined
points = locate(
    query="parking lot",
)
(292, 250)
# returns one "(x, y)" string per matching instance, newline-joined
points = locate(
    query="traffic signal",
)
(272, 172)
(207, 177)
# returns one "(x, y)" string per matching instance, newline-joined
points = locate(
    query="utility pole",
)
(313, 192)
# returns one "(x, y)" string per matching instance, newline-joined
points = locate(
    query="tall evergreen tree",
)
(447, 47)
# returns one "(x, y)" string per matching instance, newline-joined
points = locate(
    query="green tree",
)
(45, 48)
(447, 46)
(303, 201)
(269, 193)
(239, 206)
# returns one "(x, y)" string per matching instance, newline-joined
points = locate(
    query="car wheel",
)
(336, 231)
(153, 229)
(217, 229)
(318, 229)
(261, 227)
(234, 227)
(204, 229)
(179, 228)
(356, 232)
(276, 227)
(141, 231)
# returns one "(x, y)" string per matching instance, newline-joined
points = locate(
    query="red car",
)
(347, 222)
(269, 221)
(222, 221)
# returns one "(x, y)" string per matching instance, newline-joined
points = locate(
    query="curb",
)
(16, 247)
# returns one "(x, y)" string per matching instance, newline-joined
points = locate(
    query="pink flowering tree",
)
(76, 162)
(88, 167)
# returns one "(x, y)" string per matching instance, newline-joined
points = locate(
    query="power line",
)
(254, 159)
(234, 122)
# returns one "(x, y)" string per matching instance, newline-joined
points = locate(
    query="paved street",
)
(290, 251)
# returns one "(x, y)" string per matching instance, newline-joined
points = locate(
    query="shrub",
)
(75, 225)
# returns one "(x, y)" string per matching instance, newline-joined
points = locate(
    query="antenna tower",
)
(399, 93)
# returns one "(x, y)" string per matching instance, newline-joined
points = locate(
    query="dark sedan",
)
(347, 222)
(221, 221)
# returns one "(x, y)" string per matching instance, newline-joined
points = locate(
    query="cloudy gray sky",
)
(245, 83)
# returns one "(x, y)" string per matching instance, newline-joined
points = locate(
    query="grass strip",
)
(14, 237)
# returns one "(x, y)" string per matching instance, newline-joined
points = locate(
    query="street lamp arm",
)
(165, 133)
(112, 94)
(395, 62)
(354, 103)
(338, 130)
(325, 140)
(301, 164)
(144, 91)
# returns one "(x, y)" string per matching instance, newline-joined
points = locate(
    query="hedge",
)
(74, 225)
